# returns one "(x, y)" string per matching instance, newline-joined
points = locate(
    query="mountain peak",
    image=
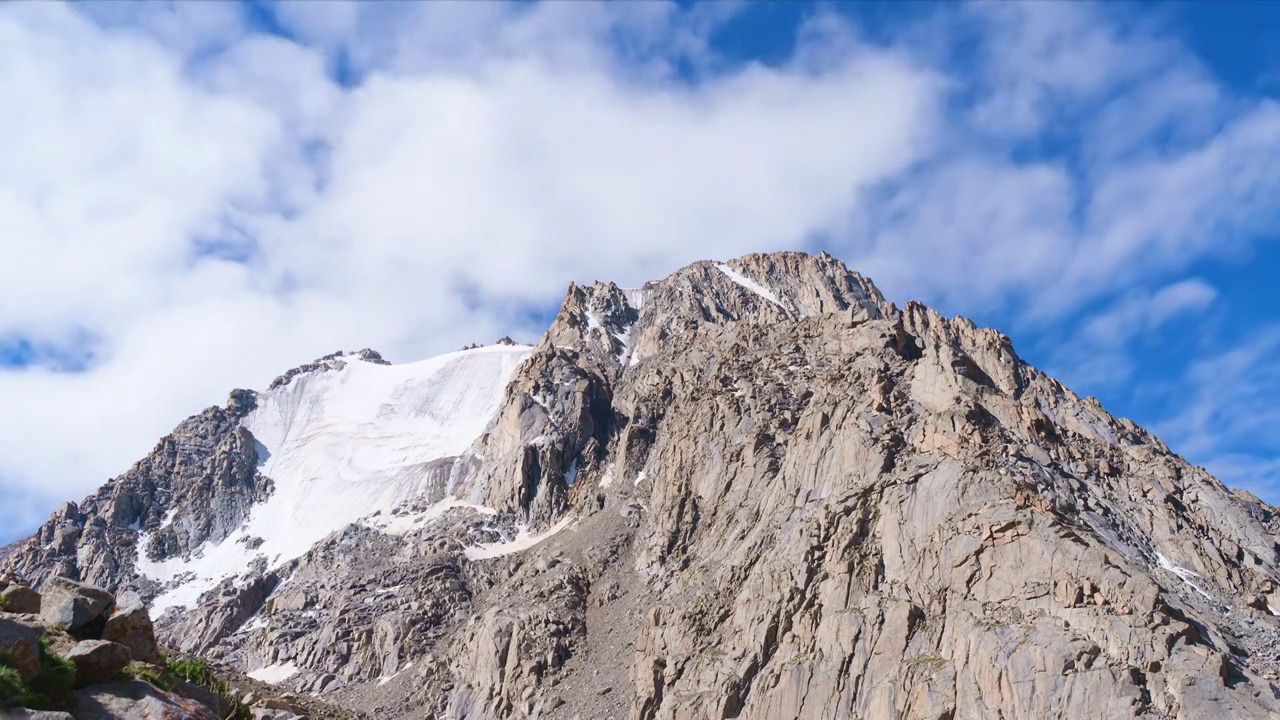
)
(771, 492)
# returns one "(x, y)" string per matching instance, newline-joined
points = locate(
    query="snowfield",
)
(341, 445)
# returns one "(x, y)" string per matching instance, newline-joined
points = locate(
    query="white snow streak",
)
(343, 444)
(523, 541)
(749, 284)
(1182, 573)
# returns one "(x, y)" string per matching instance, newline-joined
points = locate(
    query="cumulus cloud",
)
(191, 204)
(196, 220)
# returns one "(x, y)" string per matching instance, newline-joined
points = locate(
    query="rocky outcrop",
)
(75, 607)
(20, 643)
(131, 627)
(195, 487)
(749, 490)
(44, 663)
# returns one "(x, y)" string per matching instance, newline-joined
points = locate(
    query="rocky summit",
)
(753, 489)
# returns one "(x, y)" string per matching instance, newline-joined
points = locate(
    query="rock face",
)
(749, 490)
(198, 484)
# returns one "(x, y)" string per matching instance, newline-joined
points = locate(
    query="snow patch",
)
(342, 445)
(749, 284)
(571, 475)
(607, 479)
(1184, 574)
(388, 678)
(522, 541)
(275, 674)
(641, 477)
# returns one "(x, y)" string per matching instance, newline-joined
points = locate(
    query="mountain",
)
(754, 489)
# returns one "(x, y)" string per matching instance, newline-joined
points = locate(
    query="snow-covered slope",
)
(343, 444)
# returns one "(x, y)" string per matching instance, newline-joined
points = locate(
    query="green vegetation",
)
(147, 673)
(50, 689)
(57, 676)
(198, 672)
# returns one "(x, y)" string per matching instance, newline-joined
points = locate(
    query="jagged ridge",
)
(792, 499)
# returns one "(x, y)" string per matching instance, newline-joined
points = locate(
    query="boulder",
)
(131, 627)
(19, 599)
(77, 608)
(21, 642)
(136, 700)
(98, 661)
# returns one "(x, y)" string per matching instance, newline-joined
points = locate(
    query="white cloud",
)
(1098, 355)
(1146, 313)
(1229, 404)
(209, 222)
(203, 207)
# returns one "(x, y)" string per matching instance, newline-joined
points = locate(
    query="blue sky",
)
(197, 196)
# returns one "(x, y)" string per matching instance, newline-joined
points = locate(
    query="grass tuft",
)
(198, 672)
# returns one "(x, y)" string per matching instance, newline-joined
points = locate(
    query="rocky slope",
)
(751, 490)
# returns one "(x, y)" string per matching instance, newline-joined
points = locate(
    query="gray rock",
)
(24, 714)
(20, 641)
(97, 661)
(74, 607)
(19, 599)
(136, 700)
(131, 627)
